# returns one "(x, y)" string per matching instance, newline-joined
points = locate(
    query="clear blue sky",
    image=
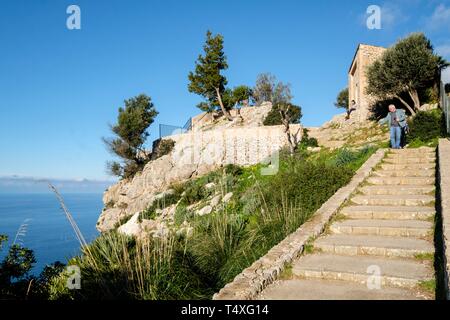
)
(60, 88)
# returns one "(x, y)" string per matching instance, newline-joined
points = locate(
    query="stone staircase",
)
(380, 245)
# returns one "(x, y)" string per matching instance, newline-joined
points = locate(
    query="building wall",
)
(357, 79)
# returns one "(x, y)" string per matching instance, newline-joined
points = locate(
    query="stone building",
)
(357, 79)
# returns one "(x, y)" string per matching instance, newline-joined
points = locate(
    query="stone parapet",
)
(444, 205)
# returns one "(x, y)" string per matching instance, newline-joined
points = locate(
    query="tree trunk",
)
(415, 97)
(406, 105)
(224, 111)
(287, 129)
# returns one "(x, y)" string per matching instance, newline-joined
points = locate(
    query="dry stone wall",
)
(444, 187)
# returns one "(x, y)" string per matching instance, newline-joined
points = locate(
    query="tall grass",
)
(116, 266)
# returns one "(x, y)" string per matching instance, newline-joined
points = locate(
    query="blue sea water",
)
(47, 231)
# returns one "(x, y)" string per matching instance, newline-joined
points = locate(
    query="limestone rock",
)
(428, 107)
(164, 194)
(205, 210)
(215, 201)
(132, 227)
(210, 185)
(195, 153)
(109, 218)
(314, 149)
(227, 197)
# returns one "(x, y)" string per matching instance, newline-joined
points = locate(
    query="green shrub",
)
(164, 147)
(182, 214)
(233, 170)
(426, 126)
(16, 281)
(194, 192)
(273, 118)
(344, 157)
(308, 141)
(159, 204)
(305, 184)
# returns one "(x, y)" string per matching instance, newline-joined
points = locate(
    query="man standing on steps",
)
(396, 120)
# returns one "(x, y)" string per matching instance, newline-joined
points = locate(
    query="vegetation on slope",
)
(196, 264)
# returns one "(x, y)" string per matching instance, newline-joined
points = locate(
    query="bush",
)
(233, 170)
(16, 282)
(273, 118)
(344, 157)
(427, 125)
(306, 184)
(163, 148)
(308, 141)
(159, 204)
(194, 192)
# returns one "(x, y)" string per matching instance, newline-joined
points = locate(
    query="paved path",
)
(380, 245)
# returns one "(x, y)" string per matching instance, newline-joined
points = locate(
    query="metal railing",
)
(166, 130)
(445, 106)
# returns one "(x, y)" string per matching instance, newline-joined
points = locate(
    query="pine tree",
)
(207, 80)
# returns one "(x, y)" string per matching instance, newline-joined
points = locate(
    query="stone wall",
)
(444, 205)
(248, 284)
(195, 153)
(357, 79)
(247, 117)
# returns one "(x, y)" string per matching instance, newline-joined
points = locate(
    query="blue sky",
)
(60, 88)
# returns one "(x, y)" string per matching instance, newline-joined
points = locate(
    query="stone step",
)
(401, 180)
(397, 190)
(417, 155)
(393, 200)
(360, 245)
(404, 173)
(399, 228)
(316, 289)
(414, 150)
(393, 272)
(411, 166)
(406, 160)
(388, 212)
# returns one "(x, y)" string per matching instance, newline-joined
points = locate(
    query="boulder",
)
(215, 201)
(227, 197)
(109, 218)
(210, 185)
(204, 211)
(428, 107)
(131, 227)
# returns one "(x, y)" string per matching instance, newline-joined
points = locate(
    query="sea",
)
(36, 221)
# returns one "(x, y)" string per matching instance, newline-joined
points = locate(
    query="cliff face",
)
(242, 142)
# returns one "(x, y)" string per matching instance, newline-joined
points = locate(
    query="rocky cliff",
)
(210, 145)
